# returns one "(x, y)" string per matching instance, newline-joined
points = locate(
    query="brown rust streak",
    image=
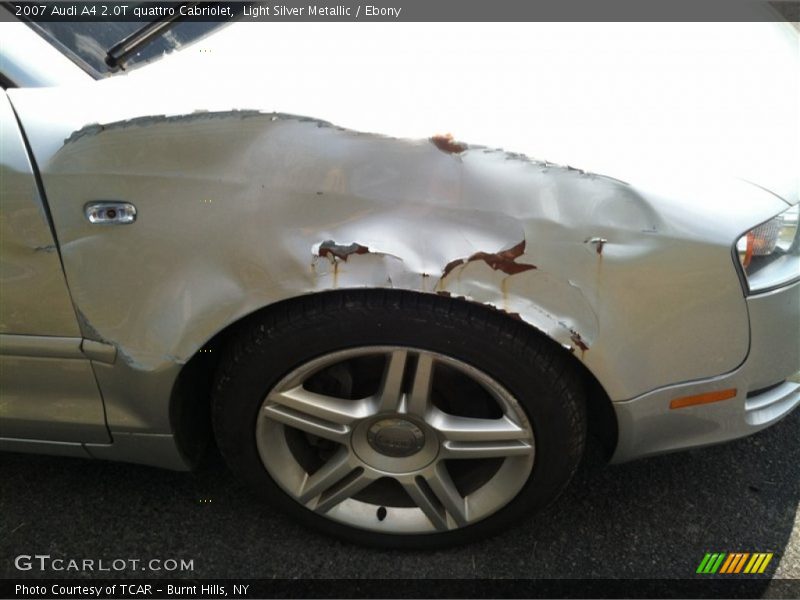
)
(504, 261)
(446, 143)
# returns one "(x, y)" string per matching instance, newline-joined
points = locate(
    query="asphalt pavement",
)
(653, 518)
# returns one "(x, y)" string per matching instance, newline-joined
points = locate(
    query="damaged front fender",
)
(239, 210)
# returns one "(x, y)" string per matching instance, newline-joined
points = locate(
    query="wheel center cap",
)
(395, 437)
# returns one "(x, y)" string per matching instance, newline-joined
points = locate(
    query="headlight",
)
(770, 252)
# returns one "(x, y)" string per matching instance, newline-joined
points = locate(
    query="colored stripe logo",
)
(734, 563)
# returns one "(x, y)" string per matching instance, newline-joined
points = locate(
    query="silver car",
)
(400, 341)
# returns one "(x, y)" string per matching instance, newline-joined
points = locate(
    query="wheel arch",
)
(189, 401)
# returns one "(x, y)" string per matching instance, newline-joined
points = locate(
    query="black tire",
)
(540, 374)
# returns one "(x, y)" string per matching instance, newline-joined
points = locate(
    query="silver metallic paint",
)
(235, 206)
(296, 182)
(53, 399)
(29, 263)
(647, 425)
(48, 387)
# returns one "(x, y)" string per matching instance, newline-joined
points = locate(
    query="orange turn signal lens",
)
(707, 398)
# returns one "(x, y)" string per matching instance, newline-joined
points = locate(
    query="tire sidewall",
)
(265, 359)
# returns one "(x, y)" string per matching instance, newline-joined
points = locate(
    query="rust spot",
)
(504, 261)
(446, 143)
(578, 340)
(444, 293)
(329, 248)
(599, 244)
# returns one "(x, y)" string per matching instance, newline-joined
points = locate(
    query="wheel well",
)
(191, 394)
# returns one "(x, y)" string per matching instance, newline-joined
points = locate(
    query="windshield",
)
(88, 43)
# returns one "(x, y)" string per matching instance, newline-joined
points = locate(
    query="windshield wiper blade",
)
(120, 52)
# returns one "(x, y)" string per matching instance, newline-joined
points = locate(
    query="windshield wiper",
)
(120, 52)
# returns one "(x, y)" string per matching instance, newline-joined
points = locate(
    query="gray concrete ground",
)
(649, 519)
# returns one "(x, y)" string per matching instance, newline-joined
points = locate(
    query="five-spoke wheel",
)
(408, 430)
(399, 419)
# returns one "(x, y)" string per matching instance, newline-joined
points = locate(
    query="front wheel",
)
(399, 420)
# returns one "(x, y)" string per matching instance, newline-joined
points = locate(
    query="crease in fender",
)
(443, 142)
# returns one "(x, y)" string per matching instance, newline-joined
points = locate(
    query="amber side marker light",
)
(707, 398)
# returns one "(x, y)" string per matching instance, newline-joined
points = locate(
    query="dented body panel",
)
(240, 209)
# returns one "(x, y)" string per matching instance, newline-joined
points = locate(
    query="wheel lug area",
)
(395, 437)
(395, 443)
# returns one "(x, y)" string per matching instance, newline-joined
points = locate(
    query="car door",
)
(48, 390)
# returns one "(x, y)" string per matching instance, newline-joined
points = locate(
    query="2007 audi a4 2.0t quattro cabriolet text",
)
(399, 340)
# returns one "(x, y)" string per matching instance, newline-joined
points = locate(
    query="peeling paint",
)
(578, 340)
(504, 261)
(332, 250)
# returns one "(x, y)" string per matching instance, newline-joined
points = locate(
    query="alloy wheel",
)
(395, 439)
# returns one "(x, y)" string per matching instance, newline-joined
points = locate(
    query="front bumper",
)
(767, 388)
